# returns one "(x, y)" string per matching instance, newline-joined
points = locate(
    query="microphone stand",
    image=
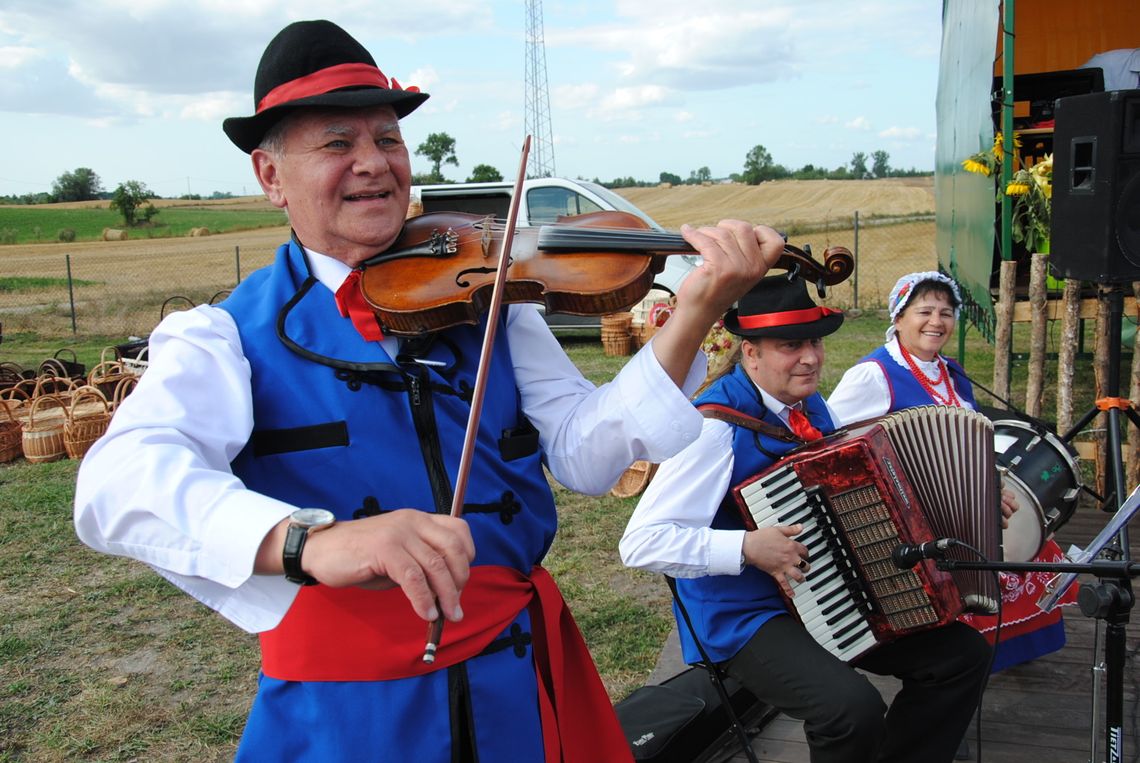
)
(1110, 600)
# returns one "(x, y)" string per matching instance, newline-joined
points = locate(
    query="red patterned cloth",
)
(1023, 623)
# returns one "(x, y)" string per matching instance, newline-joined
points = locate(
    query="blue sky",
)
(137, 89)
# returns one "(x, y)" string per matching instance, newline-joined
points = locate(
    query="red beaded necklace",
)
(929, 385)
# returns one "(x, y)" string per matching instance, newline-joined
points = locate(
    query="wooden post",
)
(1004, 334)
(1067, 354)
(1132, 467)
(1035, 385)
(1100, 370)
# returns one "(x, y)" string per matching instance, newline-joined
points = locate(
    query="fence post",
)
(237, 263)
(71, 294)
(855, 284)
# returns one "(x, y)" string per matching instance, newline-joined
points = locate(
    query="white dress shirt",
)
(158, 486)
(864, 392)
(670, 531)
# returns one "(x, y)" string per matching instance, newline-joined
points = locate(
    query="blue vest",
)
(728, 609)
(364, 440)
(907, 391)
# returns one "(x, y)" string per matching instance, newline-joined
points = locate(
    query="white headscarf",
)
(905, 288)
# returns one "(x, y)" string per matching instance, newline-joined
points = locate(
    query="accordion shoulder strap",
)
(735, 417)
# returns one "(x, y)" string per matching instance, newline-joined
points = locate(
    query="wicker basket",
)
(11, 436)
(87, 420)
(616, 339)
(62, 387)
(43, 433)
(634, 479)
(107, 374)
(122, 389)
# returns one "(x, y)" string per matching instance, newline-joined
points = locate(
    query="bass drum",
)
(1043, 474)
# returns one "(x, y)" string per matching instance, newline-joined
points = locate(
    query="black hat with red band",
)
(316, 63)
(779, 308)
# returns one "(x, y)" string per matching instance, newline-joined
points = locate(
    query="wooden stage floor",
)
(1039, 712)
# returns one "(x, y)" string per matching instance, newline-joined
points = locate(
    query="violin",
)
(441, 269)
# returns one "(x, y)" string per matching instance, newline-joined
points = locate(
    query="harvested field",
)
(787, 203)
(120, 286)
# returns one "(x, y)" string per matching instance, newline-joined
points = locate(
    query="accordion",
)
(908, 477)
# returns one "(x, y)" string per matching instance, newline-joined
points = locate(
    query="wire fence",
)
(124, 288)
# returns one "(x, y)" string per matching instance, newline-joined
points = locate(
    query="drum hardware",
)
(1111, 598)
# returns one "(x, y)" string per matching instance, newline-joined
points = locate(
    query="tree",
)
(438, 147)
(880, 164)
(696, 177)
(757, 166)
(81, 185)
(670, 178)
(859, 165)
(128, 198)
(484, 173)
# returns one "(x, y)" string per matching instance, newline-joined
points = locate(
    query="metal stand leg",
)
(1111, 600)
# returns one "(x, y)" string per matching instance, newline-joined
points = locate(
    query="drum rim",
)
(1071, 458)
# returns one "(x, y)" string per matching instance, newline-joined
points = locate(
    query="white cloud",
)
(901, 133)
(858, 123)
(18, 56)
(425, 78)
(574, 97)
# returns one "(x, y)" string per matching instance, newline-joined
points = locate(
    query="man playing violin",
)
(730, 579)
(289, 465)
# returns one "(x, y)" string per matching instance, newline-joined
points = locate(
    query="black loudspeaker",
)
(1096, 187)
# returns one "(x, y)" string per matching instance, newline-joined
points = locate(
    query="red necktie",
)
(801, 427)
(351, 303)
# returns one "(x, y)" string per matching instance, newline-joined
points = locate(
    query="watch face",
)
(312, 517)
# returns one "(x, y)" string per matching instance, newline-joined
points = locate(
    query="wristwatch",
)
(302, 522)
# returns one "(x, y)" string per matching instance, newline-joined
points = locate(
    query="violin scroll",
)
(837, 266)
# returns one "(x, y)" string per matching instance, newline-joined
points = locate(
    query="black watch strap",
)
(295, 538)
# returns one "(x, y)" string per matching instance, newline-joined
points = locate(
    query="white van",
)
(544, 201)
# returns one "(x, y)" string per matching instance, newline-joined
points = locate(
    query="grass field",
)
(42, 224)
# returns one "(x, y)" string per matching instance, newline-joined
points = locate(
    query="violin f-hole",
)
(460, 278)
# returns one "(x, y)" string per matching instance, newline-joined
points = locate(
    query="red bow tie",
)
(351, 303)
(801, 427)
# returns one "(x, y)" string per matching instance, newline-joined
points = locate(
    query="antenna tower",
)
(541, 163)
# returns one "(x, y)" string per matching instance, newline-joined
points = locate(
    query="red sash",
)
(353, 634)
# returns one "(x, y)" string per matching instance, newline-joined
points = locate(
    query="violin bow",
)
(435, 627)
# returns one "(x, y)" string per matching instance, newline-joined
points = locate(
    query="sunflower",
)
(1030, 189)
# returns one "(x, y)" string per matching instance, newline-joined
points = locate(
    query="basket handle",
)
(169, 300)
(105, 370)
(53, 367)
(7, 410)
(17, 389)
(122, 389)
(36, 404)
(56, 381)
(74, 358)
(83, 392)
(103, 355)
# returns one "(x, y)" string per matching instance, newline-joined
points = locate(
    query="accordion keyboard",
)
(831, 602)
